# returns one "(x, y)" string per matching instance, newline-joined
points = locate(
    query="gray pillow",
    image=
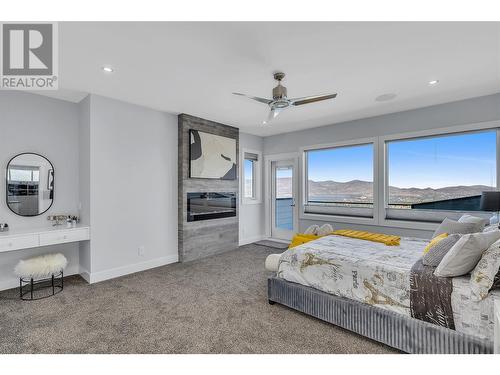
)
(479, 221)
(436, 253)
(465, 254)
(451, 227)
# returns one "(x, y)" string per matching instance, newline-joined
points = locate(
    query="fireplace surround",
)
(198, 236)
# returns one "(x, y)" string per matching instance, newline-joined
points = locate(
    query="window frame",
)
(380, 177)
(257, 178)
(417, 219)
(343, 214)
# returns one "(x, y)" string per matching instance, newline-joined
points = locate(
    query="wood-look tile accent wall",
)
(199, 239)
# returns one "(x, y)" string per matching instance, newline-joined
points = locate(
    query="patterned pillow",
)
(434, 242)
(486, 274)
(437, 252)
(451, 227)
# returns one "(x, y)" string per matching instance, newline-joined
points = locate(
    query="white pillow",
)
(479, 221)
(490, 228)
(325, 229)
(465, 254)
(313, 229)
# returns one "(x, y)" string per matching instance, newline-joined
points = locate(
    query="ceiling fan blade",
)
(311, 99)
(273, 113)
(261, 100)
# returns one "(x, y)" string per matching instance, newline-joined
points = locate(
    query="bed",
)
(370, 288)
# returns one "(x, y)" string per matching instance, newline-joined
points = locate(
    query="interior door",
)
(283, 199)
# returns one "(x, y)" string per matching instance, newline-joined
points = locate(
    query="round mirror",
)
(30, 184)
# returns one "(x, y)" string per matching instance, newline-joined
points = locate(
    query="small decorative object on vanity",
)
(490, 201)
(60, 219)
(4, 227)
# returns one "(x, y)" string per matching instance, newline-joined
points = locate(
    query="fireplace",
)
(208, 206)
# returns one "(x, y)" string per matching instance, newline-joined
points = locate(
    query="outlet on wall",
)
(140, 251)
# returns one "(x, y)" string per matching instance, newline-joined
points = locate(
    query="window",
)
(340, 179)
(439, 173)
(251, 177)
(24, 174)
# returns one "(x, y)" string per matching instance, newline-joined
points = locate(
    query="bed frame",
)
(396, 330)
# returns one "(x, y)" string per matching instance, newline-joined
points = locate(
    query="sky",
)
(248, 169)
(341, 164)
(465, 159)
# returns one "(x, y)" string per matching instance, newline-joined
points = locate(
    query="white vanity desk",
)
(29, 238)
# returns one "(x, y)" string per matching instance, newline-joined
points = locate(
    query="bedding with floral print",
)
(486, 274)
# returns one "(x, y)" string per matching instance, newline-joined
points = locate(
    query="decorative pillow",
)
(465, 254)
(313, 229)
(483, 276)
(434, 242)
(437, 252)
(325, 229)
(479, 221)
(490, 228)
(451, 227)
(302, 238)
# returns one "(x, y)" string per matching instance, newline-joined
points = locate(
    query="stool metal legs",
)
(55, 282)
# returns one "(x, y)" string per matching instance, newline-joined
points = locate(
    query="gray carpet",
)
(214, 305)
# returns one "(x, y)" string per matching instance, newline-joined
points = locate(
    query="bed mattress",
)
(378, 275)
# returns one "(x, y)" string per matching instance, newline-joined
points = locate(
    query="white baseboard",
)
(95, 277)
(246, 241)
(14, 281)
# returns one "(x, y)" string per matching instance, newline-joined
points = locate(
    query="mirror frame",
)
(7, 183)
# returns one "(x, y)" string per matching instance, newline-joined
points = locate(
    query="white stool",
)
(42, 272)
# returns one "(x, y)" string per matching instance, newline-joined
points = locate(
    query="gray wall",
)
(481, 109)
(252, 219)
(200, 239)
(33, 123)
(84, 172)
(133, 188)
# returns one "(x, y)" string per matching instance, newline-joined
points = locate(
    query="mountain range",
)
(362, 192)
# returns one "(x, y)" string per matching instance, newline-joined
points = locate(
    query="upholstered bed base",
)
(401, 332)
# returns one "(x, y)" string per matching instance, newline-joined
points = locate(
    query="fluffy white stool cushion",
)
(41, 266)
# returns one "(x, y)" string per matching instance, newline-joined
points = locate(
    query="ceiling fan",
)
(280, 101)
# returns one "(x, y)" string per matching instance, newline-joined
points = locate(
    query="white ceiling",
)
(194, 67)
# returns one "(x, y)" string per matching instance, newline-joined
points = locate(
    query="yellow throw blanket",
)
(301, 238)
(368, 236)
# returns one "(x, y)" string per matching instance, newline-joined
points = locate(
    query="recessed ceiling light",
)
(108, 69)
(385, 97)
(433, 82)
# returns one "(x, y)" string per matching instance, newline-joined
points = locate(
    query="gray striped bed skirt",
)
(399, 331)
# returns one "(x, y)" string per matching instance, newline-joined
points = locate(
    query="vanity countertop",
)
(26, 238)
(12, 232)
